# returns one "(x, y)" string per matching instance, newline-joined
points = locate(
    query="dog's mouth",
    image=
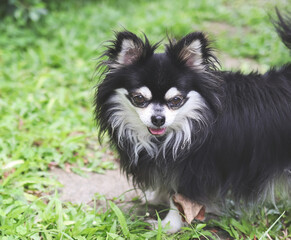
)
(157, 131)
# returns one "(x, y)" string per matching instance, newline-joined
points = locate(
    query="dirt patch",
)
(227, 62)
(246, 64)
(217, 28)
(78, 189)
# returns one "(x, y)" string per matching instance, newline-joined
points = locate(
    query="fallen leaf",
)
(53, 165)
(20, 123)
(189, 210)
(68, 167)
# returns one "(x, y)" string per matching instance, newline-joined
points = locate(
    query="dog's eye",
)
(176, 102)
(138, 100)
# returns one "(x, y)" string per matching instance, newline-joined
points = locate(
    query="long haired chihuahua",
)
(180, 125)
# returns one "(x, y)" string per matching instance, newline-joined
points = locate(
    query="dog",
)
(181, 125)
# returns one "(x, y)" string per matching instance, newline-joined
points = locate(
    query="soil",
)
(78, 189)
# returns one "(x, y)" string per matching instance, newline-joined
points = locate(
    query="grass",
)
(46, 120)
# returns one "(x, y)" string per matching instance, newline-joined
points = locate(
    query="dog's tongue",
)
(158, 131)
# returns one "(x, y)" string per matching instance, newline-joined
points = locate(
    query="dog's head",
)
(147, 94)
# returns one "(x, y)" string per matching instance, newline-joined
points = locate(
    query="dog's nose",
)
(158, 120)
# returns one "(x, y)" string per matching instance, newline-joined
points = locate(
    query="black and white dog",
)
(180, 125)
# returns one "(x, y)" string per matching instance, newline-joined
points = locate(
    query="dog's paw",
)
(154, 224)
(170, 227)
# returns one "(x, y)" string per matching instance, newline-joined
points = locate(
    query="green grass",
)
(46, 91)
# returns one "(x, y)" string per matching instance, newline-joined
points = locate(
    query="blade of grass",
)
(121, 219)
(269, 229)
(159, 234)
(59, 213)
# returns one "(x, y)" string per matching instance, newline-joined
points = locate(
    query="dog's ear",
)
(127, 49)
(194, 51)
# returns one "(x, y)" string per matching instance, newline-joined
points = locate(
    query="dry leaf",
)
(188, 209)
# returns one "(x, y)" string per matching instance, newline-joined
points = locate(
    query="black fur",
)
(245, 144)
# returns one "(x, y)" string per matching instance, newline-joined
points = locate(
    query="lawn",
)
(47, 79)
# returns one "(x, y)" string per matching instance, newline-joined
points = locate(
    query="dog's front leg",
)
(155, 197)
(173, 219)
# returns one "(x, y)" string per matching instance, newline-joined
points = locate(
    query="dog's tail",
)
(283, 28)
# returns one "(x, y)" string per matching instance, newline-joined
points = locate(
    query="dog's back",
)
(249, 148)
